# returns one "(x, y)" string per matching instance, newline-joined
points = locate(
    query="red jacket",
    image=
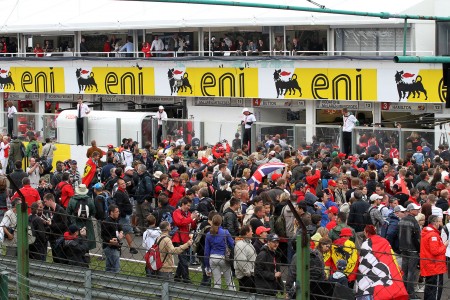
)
(432, 253)
(178, 192)
(312, 181)
(31, 195)
(184, 223)
(67, 192)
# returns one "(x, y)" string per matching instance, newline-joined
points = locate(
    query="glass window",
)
(443, 38)
(371, 41)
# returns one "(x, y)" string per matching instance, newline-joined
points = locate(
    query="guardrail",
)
(56, 281)
(140, 54)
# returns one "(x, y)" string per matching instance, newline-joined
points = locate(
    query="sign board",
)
(351, 105)
(412, 107)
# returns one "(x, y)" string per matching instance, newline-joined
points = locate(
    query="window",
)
(371, 41)
(443, 38)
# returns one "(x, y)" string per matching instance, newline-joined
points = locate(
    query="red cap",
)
(276, 176)
(333, 209)
(174, 174)
(346, 232)
(110, 146)
(261, 229)
(419, 148)
(331, 182)
(341, 155)
(360, 170)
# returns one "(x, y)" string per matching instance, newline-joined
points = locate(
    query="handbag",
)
(229, 253)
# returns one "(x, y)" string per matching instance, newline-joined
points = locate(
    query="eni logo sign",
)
(33, 80)
(115, 81)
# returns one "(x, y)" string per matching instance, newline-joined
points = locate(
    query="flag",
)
(90, 171)
(264, 170)
(378, 272)
(345, 249)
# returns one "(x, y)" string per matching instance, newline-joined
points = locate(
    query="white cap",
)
(375, 197)
(128, 168)
(161, 107)
(412, 206)
(245, 110)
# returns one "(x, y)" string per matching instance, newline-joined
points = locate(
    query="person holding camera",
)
(76, 246)
(34, 172)
(112, 235)
(39, 224)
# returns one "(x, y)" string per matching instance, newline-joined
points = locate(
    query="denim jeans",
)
(182, 271)
(112, 260)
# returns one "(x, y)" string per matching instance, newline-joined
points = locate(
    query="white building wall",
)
(423, 38)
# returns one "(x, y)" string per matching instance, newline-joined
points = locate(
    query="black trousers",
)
(247, 284)
(159, 135)
(80, 131)
(347, 142)
(10, 126)
(433, 287)
(246, 138)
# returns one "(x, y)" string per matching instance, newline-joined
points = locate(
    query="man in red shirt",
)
(31, 194)
(178, 191)
(312, 179)
(66, 189)
(185, 221)
(432, 258)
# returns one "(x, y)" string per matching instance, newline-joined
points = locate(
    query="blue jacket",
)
(378, 162)
(390, 231)
(216, 244)
(323, 213)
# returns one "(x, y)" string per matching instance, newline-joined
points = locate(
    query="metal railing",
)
(140, 54)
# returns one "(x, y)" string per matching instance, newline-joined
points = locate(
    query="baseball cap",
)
(341, 155)
(299, 185)
(128, 168)
(333, 209)
(73, 228)
(276, 176)
(399, 208)
(346, 232)
(73, 162)
(261, 229)
(157, 174)
(412, 206)
(161, 107)
(223, 182)
(341, 264)
(174, 174)
(375, 197)
(98, 186)
(110, 146)
(419, 148)
(245, 110)
(239, 158)
(273, 237)
(272, 152)
(331, 182)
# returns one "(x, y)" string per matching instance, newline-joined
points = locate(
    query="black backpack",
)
(367, 217)
(34, 152)
(82, 209)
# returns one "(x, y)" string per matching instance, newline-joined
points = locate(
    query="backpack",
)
(215, 181)
(58, 192)
(23, 151)
(118, 158)
(107, 201)
(153, 256)
(367, 218)
(197, 238)
(46, 165)
(34, 150)
(384, 229)
(167, 216)
(280, 224)
(82, 209)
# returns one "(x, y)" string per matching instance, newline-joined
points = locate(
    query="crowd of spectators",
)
(372, 219)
